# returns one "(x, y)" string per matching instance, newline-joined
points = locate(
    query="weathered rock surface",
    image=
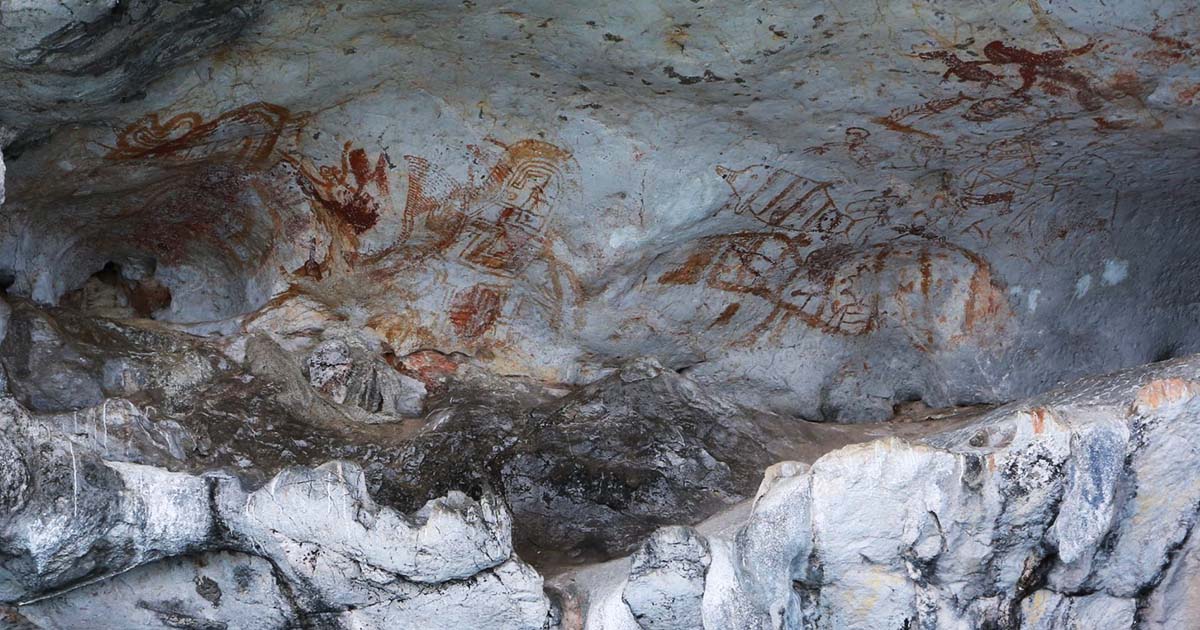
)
(641, 448)
(349, 375)
(666, 580)
(1066, 511)
(336, 314)
(206, 591)
(318, 546)
(65, 360)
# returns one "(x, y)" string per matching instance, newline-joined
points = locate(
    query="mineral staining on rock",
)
(911, 207)
(355, 315)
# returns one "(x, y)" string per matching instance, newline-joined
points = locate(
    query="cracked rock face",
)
(663, 314)
(1057, 512)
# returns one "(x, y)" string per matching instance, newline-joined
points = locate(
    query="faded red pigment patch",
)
(356, 192)
(726, 315)
(474, 312)
(1039, 420)
(1163, 392)
(428, 366)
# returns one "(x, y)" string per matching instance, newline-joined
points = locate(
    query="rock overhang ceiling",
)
(853, 205)
(470, 285)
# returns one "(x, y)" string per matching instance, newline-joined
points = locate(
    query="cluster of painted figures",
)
(840, 267)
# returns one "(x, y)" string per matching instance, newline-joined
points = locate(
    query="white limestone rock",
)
(449, 565)
(226, 590)
(1065, 511)
(450, 538)
(666, 580)
(768, 562)
(506, 597)
(1156, 497)
(1175, 602)
(352, 376)
(1047, 610)
(88, 517)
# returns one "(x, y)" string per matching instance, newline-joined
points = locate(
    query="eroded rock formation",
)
(1070, 510)
(585, 315)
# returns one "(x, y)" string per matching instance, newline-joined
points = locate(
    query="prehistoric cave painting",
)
(243, 153)
(941, 293)
(474, 311)
(1085, 171)
(964, 71)
(435, 206)
(498, 226)
(846, 267)
(507, 227)
(992, 108)
(806, 268)
(970, 195)
(857, 145)
(1030, 64)
(776, 196)
(551, 298)
(248, 135)
(1047, 70)
(782, 199)
(1056, 79)
(1007, 190)
(1168, 50)
(898, 119)
(813, 286)
(220, 207)
(356, 191)
(1007, 170)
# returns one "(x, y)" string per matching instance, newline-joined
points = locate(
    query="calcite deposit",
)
(663, 314)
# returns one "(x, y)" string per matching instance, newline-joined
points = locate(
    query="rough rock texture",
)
(73, 520)
(641, 448)
(587, 475)
(369, 314)
(205, 591)
(347, 376)
(666, 580)
(1072, 510)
